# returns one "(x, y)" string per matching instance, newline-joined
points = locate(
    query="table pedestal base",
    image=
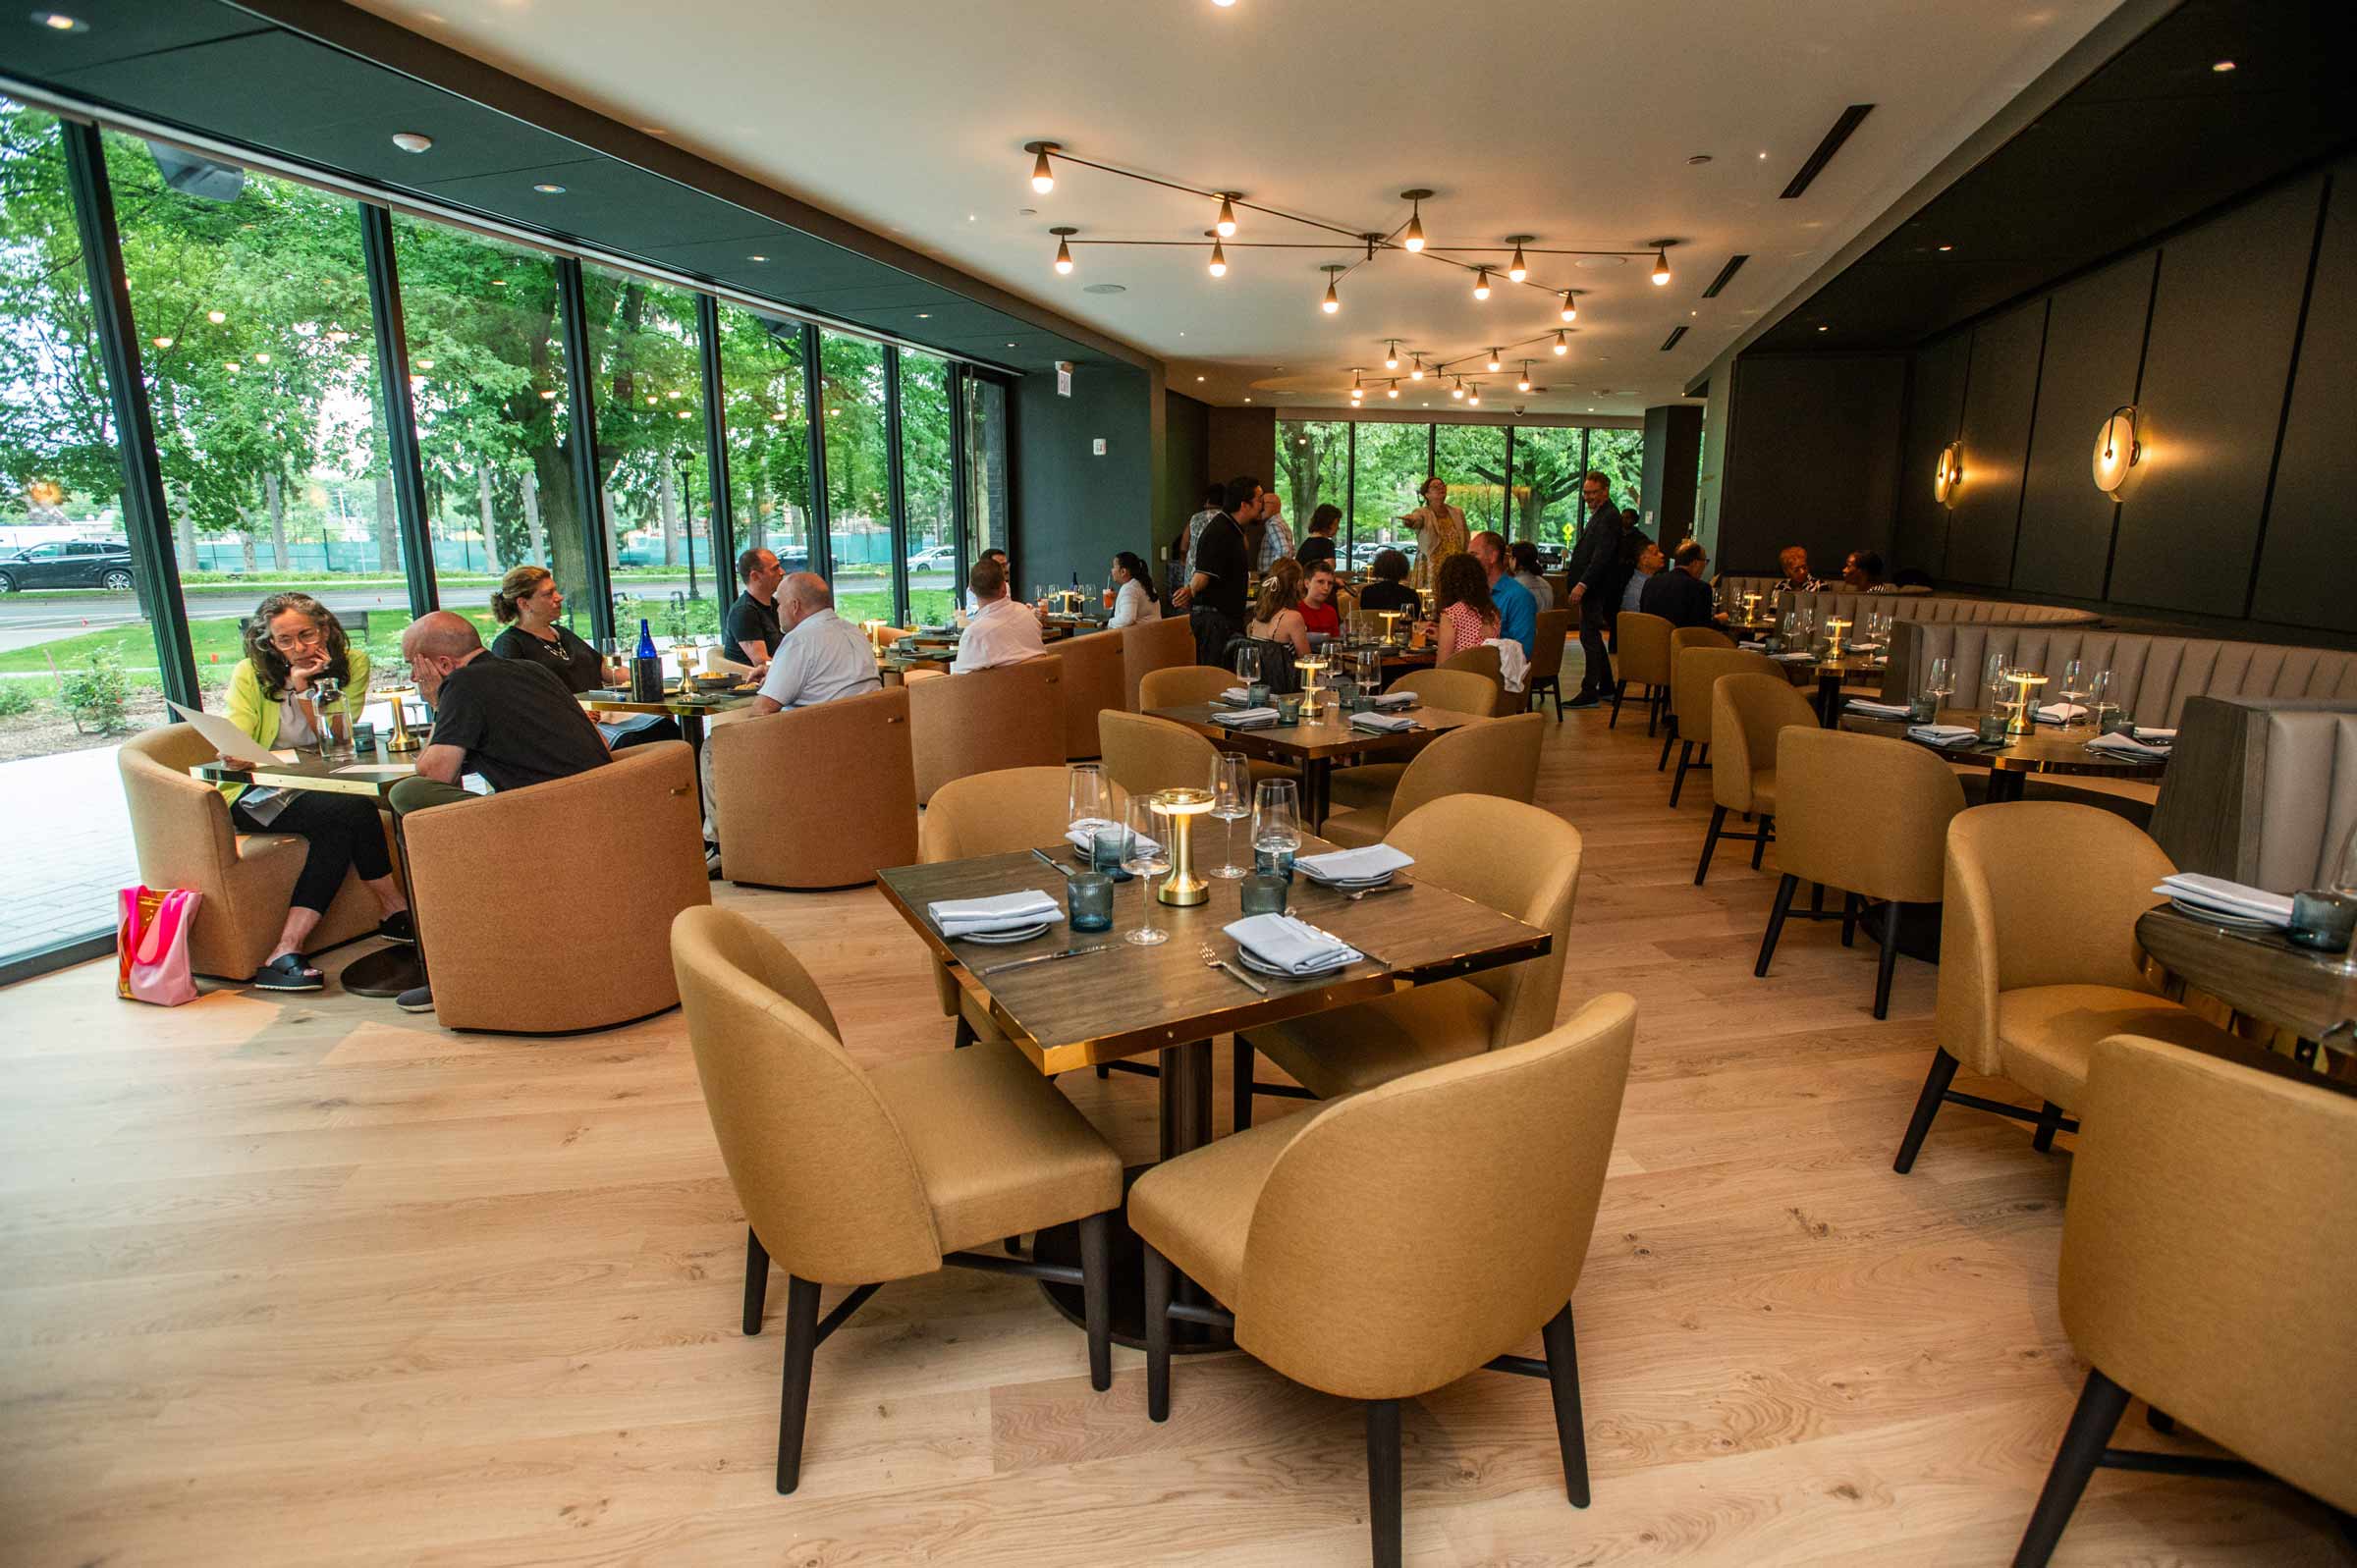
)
(387, 972)
(1060, 1244)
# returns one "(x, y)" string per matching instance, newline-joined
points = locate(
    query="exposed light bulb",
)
(1473, 397)
(1495, 363)
(1414, 237)
(1227, 223)
(1391, 391)
(1417, 372)
(1391, 360)
(1064, 257)
(1219, 260)
(1516, 269)
(1334, 302)
(1043, 178)
(1481, 283)
(1571, 311)
(1561, 345)
(1523, 385)
(1661, 268)
(1457, 392)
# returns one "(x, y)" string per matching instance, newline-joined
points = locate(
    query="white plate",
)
(2221, 917)
(1259, 968)
(998, 939)
(1344, 883)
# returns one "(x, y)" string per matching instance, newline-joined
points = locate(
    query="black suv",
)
(66, 563)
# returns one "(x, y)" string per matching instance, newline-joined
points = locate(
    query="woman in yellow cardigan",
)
(294, 643)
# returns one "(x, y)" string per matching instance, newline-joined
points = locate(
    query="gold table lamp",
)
(2023, 719)
(401, 742)
(1182, 889)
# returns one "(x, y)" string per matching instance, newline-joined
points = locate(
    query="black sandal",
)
(288, 972)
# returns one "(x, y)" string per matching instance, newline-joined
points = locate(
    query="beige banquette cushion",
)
(2152, 675)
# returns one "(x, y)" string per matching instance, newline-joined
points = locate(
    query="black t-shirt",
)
(569, 658)
(1220, 554)
(516, 722)
(1314, 548)
(1680, 598)
(1382, 595)
(750, 619)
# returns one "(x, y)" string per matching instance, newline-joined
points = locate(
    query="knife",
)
(1053, 864)
(1044, 958)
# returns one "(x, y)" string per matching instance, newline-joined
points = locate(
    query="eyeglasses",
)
(308, 638)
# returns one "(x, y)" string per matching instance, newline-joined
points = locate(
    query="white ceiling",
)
(1572, 123)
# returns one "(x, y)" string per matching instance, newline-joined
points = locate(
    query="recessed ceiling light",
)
(1947, 248)
(924, 315)
(2223, 66)
(59, 21)
(1198, 378)
(1105, 288)
(1825, 329)
(413, 141)
(550, 191)
(756, 259)
(1011, 345)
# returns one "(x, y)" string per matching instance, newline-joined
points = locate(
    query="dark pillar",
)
(1672, 455)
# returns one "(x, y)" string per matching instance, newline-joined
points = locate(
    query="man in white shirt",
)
(1001, 631)
(992, 553)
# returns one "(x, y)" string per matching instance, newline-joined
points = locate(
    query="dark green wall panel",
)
(2000, 395)
(1934, 412)
(1811, 457)
(1073, 509)
(2093, 343)
(2308, 566)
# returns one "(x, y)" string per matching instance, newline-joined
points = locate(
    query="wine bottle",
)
(646, 668)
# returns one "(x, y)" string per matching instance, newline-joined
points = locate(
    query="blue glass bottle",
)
(646, 669)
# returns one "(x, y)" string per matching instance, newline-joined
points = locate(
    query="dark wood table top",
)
(2045, 749)
(719, 699)
(1132, 999)
(2262, 973)
(1333, 735)
(307, 770)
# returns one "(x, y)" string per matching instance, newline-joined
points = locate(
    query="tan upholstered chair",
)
(1181, 687)
(1495, 757)
(1372, 784)
(1143, 754)
(1641, 656)
(1695, 672)
(860, 1177)
(1154, 645)
(1748, 711)
(1863, 813)
(1388, 1244)
(1008, 716)
(816, 797)
(1546, 659)
(623, 843)
(2038, 959)
(1512, 857)
(180, 827)
(1481, 659)
(1093, 682)
(1681, 639)
(2208, 1260)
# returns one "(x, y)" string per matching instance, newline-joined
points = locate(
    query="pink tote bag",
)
(151, 941)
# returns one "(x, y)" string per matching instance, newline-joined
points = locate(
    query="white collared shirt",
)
(1001, 632)
(823, 656)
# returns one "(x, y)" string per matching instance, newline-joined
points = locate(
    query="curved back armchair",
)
(1495, 757)
(1180, 686)
(785, 822)
(1748, 711)
(1546, 659)
(1011, 716)
(1454, 690)
(1143, 754)
(1481, 660)
(1154, 645)
(1094, 682)
(1694, 672)
(1641, 657)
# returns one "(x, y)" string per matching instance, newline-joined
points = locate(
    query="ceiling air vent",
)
(1727, 274)
(1670, 341)
(1851, 117)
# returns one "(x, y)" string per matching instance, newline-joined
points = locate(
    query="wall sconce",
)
(2117, 450)
(1951, 473)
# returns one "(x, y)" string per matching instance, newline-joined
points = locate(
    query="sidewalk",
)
(65, 848)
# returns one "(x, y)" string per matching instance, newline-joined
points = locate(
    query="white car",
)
(933, 558)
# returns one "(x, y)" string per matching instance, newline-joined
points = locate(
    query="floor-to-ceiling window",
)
(1472, 459)
(647, 386)
(858, 476)
(487, 381)
(1313, 469)
(768, 434)
(928, 457)
(78, 663)
(1391, 466)
(1548, 464)
(1620, 455)
(986, 486)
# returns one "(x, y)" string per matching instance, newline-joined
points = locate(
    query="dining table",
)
(2047, 749)
(1315, 746)
(1115, 1000)
(2260, 972)
(1831, 675)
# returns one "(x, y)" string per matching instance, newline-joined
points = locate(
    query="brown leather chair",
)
(816, 797)
(1481, 659)
(1641, 657)
(181, 829)
(1372, 784)
(1093, 682)
(1546, 659)
(622, 843)
(1011, 716)
(1154, 645)
(1747, 714)
(1695, 670)
(1389, 1243)
(1506, 854)
(1180, 687)
(852, 1176)
(1863, 813)
(1495, 757)
(2037, 959)
(2209, 1261)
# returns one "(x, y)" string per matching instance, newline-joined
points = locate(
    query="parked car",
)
(933, 558)
(68, 564)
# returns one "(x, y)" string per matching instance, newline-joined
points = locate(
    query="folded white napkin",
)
(1386, 722)
(1753, 647)
(2151, 736)
(1396, 699)
(1942, 734)
(2055, 713)
(2234, 898)
(2125, 746)
(1082, 836)
(1792, 658)
(1005, 911)
(1239, 695)
(1879, 710)
(1282, 943)
(1353, 865)
(1248, 718)
(1865, 647)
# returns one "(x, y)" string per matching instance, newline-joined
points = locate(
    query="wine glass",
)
(1993, 679)
(2099, 698)
(1247, 664)
(1231, 803)
(1088, 796)
(2074, 688)
(1370, 671)
(1146, 855)
(1938, 679)
(1276, 822)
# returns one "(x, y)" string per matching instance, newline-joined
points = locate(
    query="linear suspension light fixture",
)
(1063, 248)
(1227, 223)
(1414, 238)
(1333, 300)
(1043, 178)
(1481, 283)
(2118, 449)
(1517, 269)
(1562, 345)
(1661, 264)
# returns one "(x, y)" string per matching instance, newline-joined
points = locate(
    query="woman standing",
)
(1133, 600)
(1468, 616)
(292, 645)
(1440, 528)
(527, 602)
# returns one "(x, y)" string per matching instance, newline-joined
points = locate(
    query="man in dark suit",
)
(1595, 573)
(1680, 596)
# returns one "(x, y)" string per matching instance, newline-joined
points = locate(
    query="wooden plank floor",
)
(311, 1281)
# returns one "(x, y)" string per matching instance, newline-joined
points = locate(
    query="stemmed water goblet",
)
(1146, 855)
(1231, 803)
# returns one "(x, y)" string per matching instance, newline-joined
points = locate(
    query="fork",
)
(1212, 960)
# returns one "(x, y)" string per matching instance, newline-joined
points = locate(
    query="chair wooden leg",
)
(1710, 839)
(1158, 1335)
(1096, 1294)
(966, 1035)
(1653, 709)
(793, 1400)
(2050, 1122)
(756, 1280)
(1563, 1378)
(1685, 760)
(1889, 960)
(1383, 1481)
(1851, 907)
(1620, 690)
(1927, 1106)
(1669, 739)
(2160, 1421)
(1761, 830)
(1240, 1088)
(2101, 1403)
(1775, 923)
(1103, 1072)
